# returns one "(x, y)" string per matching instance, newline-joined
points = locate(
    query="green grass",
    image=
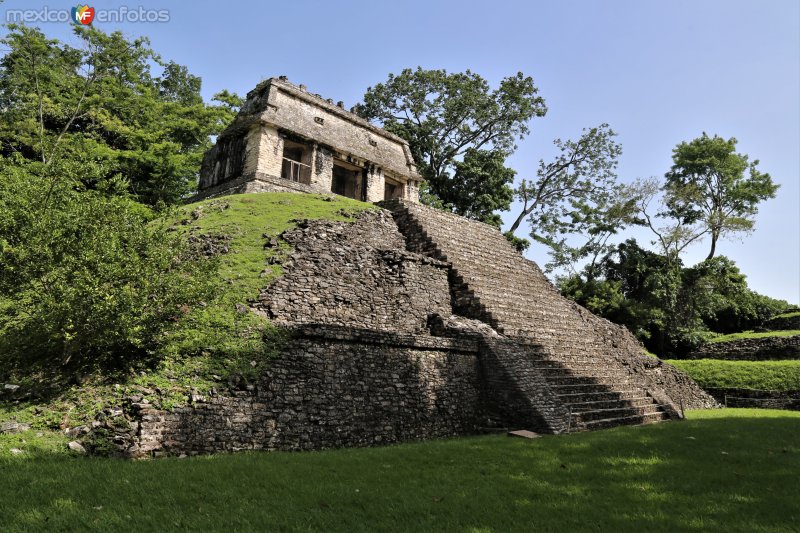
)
(212, 341)
(763, 375)
(724, 470)
(249, 220)
(752, 335)
(788, 315)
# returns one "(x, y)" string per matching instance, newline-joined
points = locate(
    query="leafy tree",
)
(708, 186)
(91, 279)
(480, 186)
(671, 309)
(100, 108)
(577, 196)
(457, 127)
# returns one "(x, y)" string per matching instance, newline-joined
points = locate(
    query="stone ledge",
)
(245, 183)
(366, 336)
(761, 349)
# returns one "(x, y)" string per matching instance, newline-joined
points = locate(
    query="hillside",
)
(213, 345)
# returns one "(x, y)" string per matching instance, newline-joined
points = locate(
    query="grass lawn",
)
(725, 470)
(763, 375)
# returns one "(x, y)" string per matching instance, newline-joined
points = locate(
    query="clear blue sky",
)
(658, 72)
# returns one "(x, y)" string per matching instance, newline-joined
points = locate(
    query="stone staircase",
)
(577, 371)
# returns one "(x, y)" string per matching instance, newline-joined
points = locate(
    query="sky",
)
(658, 72)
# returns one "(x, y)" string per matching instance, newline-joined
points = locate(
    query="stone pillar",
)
(322, 168)
(263, 151)
(412, 191)
(375, 183)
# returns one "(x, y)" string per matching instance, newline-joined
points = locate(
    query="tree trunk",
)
(714, 237)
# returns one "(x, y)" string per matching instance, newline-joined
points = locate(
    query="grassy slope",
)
(763, 375)
(752, 335)
(714, 472)
(211, 342)
(788, 315)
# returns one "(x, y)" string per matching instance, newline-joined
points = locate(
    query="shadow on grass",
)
(731, 474)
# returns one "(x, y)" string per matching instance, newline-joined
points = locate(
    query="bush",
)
(85, 277)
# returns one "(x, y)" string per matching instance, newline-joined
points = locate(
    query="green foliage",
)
(481, 185)
(708, 473)
(519, 243)
(788, 315)
(89, 278)
(576, 196)
(97, 113)
(215, 340)
(761, 375)
(459, 129)
(671, 309)
(707, 186)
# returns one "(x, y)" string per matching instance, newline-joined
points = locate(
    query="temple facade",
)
(287, 139)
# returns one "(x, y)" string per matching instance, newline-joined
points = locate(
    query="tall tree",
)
(577, 195)
(481, 185)
(451, 122)
(100, 111)
(712, 185)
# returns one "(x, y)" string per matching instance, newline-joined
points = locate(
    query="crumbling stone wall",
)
(763, 349)
(781, 323)
(332, 387)
(356, 274)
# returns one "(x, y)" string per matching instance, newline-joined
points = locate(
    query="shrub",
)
(85, 277)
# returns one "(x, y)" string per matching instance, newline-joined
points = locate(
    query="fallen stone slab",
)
(524, 433)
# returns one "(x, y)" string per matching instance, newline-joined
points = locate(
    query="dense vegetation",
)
(714, 472)
(108, 115)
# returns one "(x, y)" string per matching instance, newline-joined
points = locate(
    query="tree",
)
(101, 111)
(577, 195)
(94, 279)
(707, 185)
(480, 186)
(457, 127)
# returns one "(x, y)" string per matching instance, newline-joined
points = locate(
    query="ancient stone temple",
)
(287, 139)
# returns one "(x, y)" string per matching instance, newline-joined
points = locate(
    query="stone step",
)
(614, 412)
(580, 407)
(624, 421)
(559, 381)
(583, 388)
(577, 397)
(491, 281)
(598, 373)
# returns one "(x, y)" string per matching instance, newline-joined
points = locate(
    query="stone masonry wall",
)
(256, 183)
(763, 349)
(356, 274)
(758, 399)
(779, 323)
(332, 387)
(264, 151)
